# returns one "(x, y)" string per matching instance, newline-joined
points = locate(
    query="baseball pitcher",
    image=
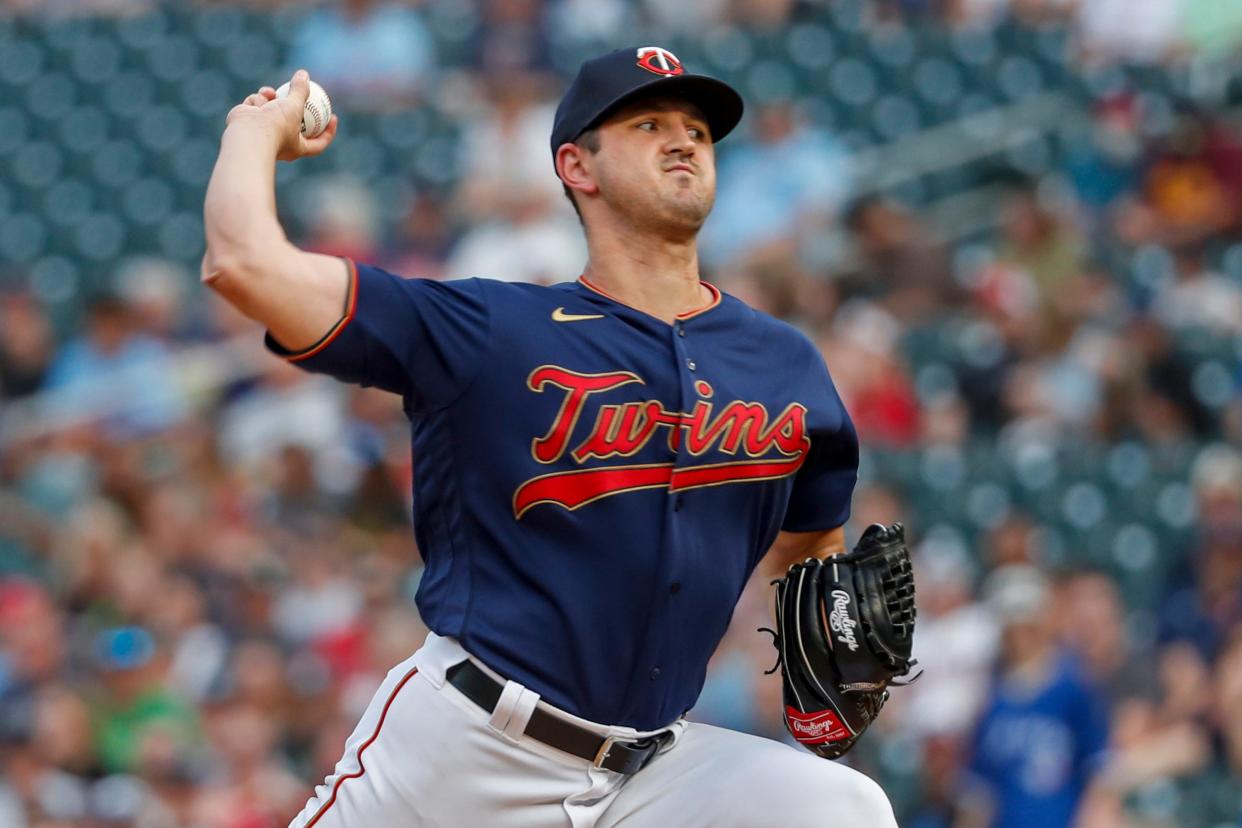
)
(600, 466)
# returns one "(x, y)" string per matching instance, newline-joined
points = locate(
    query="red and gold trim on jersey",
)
(351, 306)
(712, 289)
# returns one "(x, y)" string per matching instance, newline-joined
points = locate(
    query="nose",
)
(680, 142)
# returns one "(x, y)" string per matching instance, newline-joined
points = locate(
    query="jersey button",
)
(655, 673)
(681, 330)
(674, 588)
(676, 503)
(690, 364)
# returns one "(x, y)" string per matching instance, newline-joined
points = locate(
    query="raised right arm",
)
(297, 296)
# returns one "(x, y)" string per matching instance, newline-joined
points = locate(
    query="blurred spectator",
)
(422, 242)
(898, 263)
(1104, 163)
(787, 182)
(342, 219)
(1198, 298)
(1150, 33)
(106, 373)
(504, 148)
(26, 345)
(369, 55)
(529, 239)
(1044, 730)
(511, 39)
(138, 721)
(1212, 28)
(1093, 626)
(956, 646)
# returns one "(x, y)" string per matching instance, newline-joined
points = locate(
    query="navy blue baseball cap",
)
(607, 83)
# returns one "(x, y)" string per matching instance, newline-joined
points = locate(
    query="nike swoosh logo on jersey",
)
(559, 315)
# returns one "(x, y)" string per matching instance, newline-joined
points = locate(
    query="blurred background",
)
(1014, 227)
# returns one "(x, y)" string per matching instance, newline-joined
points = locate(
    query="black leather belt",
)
(609, 753)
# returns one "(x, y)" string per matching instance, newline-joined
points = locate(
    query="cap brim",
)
(721, 104)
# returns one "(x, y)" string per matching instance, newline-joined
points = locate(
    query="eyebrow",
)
(645, 107)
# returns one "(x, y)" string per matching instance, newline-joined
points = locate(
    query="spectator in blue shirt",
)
(1045, 729)
(372, 56)
(788, 181)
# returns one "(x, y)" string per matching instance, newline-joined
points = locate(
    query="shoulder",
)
(772, 331)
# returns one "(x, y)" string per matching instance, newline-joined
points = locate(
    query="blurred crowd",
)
(206, 563)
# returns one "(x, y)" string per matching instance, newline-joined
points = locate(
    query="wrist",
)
(255, 133)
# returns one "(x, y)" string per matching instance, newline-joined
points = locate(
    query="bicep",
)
(307, 297)
(298, 296)
(791, 547)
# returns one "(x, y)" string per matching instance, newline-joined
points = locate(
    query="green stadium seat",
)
(974, 46)
(83, 129)
(37, 164)
(148, 201)
(117, 163)
(810, 47)
(1019, 77)
(1083, 505)
(51, 95)
(142, 31)
(181, 237)
(68, 202)
(23, 238)
(193, 161)
(15, 129)
(162, 128)
(853, 82)
(937, 81)
(100, 237)
(892, 47)
(95, 60)
(129, 93)
(1128, 464)
(217, 26)
(213, 94)
(252, 59)
(173, 59)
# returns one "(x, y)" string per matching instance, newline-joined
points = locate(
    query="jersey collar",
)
(715, 300)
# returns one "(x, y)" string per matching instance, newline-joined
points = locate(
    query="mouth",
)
(682, 167)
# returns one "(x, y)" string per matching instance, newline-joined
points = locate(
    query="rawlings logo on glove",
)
(844, 631)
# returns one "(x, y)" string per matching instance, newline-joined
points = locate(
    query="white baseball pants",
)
(424, 755)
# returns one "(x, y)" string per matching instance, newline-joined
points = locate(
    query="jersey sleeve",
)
(419, 338)
(824, 485)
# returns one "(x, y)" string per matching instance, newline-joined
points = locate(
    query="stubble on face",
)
(635, 179)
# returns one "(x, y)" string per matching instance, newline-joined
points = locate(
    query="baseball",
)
(318, 109)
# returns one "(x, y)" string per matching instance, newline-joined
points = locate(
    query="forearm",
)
(239, 214)
(791, 547)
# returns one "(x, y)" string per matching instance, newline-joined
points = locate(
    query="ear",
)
(573, 165)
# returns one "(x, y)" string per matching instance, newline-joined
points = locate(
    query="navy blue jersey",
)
(592, 485)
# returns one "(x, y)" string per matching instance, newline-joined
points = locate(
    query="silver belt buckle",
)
(601, 755)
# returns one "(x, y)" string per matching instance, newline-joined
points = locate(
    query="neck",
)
(658, 276)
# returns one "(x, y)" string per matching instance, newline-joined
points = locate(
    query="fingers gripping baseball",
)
(282, 113)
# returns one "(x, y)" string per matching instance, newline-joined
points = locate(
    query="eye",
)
(696, 132)
(649, 126)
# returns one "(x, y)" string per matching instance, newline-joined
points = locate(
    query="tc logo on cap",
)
(660, 61)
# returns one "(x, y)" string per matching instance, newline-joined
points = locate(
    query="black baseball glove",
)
(844, 630)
